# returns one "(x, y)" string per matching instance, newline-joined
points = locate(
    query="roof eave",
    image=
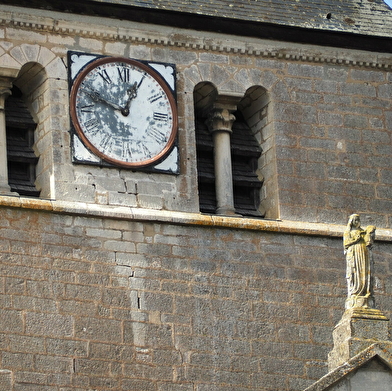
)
(280, 32)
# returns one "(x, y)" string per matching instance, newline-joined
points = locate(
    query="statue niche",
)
(357, 244)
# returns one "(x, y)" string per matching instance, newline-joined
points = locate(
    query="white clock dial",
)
(124, 112)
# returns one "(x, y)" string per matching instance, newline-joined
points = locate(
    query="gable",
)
(370, 370)
(372, 376)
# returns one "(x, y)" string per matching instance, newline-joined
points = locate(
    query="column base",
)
(5, 190)
(226, 211)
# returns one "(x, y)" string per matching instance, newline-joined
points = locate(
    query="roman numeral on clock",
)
(106, 144)
(146, 151)
(154, 98)
(141, 81)
(124, 74)
(157, 135)
(126, 150)
(87, 109)
(160, 116)
(91, 124)
(105, 76)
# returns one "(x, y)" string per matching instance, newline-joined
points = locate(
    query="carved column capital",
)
(5, 91)
(7, 76)
(220, 119)
(219, 113)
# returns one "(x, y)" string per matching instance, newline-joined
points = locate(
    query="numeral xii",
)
(123, 74)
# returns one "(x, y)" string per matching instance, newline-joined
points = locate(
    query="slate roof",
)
(365, 17)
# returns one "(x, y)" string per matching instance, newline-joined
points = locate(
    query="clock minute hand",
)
(95, 96)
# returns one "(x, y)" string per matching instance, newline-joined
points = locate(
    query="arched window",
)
(245, 152)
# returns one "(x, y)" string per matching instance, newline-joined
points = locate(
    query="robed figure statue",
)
(357, 243)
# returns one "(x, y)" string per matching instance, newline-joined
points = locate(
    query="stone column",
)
(219, 122)
(7, 75)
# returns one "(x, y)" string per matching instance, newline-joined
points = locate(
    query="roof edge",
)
(379, 350)
(223, 25)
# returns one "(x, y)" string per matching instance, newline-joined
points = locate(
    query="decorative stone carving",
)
(361, 325)
(357, 244)
(220, 120)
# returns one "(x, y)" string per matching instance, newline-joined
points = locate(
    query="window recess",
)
(21, 159)
(245, 152)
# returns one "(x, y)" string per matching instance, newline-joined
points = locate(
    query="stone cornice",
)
(92, 27)
(182, 218)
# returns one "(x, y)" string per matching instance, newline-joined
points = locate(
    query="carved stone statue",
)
(357, 243)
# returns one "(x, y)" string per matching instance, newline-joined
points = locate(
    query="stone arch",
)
(204, 94)
(253, 104)
(30, 80)
(27, 53)
(227, 149)
(253, 107)
(42, 78)
(226, 80)
(33, 81)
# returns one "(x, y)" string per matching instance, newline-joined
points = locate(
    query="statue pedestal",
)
(358, 329)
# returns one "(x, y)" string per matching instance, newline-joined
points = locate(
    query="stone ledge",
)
(182, 218)
(365, 313)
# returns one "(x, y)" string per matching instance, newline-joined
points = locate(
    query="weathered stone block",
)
(5, 380)
(98, 329)
(358, 329)
(49, 324)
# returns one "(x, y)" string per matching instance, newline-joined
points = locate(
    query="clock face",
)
(123, 112)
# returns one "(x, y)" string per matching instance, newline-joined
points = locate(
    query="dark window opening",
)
(245, 152)
(21, 158)
(205, 168)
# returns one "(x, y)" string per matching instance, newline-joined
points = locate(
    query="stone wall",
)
(325, 131)
(334, 135)
(93, 301)
(120, 284)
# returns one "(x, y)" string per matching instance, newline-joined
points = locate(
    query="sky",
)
(389, 2)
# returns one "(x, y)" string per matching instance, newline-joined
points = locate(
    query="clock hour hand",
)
(132, 92)
(96, 97)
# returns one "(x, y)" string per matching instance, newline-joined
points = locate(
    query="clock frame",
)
(154, 136)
